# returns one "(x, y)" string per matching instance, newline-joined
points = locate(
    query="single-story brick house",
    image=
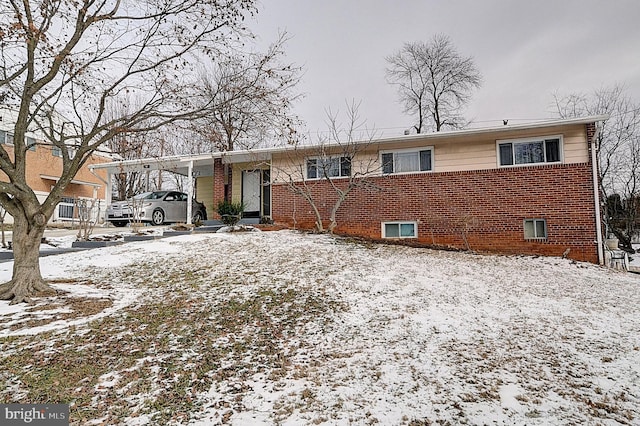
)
(525, 188)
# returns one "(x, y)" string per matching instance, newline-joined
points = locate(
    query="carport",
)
(190, 166)
(194, 166)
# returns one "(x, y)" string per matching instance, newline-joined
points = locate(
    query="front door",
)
(251, 193)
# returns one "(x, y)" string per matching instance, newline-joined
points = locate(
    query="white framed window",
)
(399, 230)
(56, 151)
(535, 229)
(321, 167)
(407, 160)
(539, 150)
(66, 208)
(6, 137)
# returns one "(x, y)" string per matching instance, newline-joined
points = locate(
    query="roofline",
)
(420, 136)
(444, 134)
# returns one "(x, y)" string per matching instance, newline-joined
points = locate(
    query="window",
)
(31, 143)
(6, 137)
(65, 208)
(56, 151)
(320, 167)
(535, 229)
(407, 161)
(529, 151)
(399, 230)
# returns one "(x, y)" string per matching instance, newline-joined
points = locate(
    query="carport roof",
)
(180, 164)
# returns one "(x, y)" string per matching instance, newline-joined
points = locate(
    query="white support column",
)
(109, 188)
(190, 193)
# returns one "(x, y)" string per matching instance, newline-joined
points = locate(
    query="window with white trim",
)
(321, 167)
(56, 151)
(407, 160)
(6, 137)
(535, 229)
(530, 151)
(65, 208)
(31, 143)
(399, 230)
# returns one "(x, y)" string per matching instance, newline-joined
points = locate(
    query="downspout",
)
(596, 193)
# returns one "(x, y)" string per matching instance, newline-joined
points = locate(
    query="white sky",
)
(525, 50)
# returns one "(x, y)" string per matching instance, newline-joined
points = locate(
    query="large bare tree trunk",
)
(27, 279)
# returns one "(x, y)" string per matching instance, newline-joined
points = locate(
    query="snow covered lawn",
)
(287, 328)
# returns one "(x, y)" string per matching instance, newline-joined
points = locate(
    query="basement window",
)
(535, 229)
(399, 230)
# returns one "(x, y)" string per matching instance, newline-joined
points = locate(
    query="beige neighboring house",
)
(44, 169)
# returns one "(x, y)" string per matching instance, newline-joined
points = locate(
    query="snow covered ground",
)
(287, 328)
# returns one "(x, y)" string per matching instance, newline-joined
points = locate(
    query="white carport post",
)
(190, 193)
(109, 187)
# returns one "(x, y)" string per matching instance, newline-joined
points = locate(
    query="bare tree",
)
(334, 161)
(3, 215)
(251, 98)
(65, 64)
(131, 146)
(88, 213)
(434, 82)
(618, 145)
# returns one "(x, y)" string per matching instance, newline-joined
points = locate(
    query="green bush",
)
(230, 212)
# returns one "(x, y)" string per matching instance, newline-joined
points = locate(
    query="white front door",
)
(251, 192)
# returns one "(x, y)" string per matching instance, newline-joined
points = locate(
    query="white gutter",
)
(596, 193)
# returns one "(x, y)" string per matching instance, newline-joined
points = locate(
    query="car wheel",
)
(119, 223)
(197, 217)
(157, 218)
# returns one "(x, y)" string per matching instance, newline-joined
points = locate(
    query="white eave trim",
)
(264, 154)
(77, 182)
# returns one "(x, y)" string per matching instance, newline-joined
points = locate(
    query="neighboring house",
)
(516, 189)
(44, 168)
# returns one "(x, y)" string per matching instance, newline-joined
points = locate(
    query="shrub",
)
(230, 212)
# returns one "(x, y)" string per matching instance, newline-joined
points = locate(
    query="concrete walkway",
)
(208, 226)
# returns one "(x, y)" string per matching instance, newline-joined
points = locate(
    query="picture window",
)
(529, 151)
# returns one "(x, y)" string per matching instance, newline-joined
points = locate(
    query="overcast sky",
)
(525, 50)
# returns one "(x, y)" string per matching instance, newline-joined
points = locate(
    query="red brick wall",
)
(490, 204)
(218, 187)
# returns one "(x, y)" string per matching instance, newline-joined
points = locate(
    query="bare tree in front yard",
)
(434, 82)
(338, 161)
(88, 213)
(64, 65)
